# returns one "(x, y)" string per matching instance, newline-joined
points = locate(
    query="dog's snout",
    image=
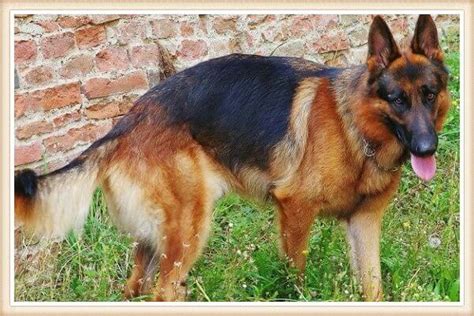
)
(424, 144)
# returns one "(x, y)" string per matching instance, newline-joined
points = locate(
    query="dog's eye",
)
(400, 104)
(430, 96)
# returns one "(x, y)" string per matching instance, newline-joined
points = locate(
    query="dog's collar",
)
(369, 152)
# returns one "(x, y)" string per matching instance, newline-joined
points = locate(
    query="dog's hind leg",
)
(135, 213)
(191, 192)
(144, 270)
(183, 243)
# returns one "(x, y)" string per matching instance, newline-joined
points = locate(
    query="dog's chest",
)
(337, 188)
(344, 198)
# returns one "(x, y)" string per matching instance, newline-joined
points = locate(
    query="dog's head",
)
(412, 89)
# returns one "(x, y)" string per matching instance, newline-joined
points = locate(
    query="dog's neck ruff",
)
(369, 152)
(344, 89)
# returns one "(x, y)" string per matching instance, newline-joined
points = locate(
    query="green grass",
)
(241, 261)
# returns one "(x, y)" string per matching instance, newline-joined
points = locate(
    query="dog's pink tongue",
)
(424, 167)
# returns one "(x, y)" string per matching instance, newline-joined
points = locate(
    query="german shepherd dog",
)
(312, 139)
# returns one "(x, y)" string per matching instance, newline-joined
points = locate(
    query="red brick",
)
(101, 87)
(47, 99)
(301, 26)
(146, 55)
(74, 136)
(56, 144)
(224, 25)
(73, 21)
(164, 28)
(130, 31)
(330, 43)
(77, 66)
(48, 26)
(91, 36)
(112, 58)
(25, 103)
(89, 132)
(39, 75)
(25, 51)
(27, 153)
(192, 49)
(66, 119)
(326, 21)
(57, 45)
(186, 29)
(104, 18)
(35, 128)
(108, 110)
(101, 111)
(59, 96)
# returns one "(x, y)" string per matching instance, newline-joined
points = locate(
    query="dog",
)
(313, 140)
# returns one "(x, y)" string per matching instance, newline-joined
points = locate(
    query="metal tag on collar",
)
(368, 150)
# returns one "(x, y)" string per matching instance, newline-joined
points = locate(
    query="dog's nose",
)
(424, 144)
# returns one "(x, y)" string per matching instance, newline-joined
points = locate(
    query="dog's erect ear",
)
(425, 39)
(382, 47)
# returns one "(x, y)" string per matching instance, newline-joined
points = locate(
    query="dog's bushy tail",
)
(53, 204)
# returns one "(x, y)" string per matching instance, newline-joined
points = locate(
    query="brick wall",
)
(76, 75)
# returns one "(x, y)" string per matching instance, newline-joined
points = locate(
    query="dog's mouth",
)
(422, 152)
(424, 167)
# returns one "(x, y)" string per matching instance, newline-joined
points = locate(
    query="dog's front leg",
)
(363, 235)
(296, 218)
